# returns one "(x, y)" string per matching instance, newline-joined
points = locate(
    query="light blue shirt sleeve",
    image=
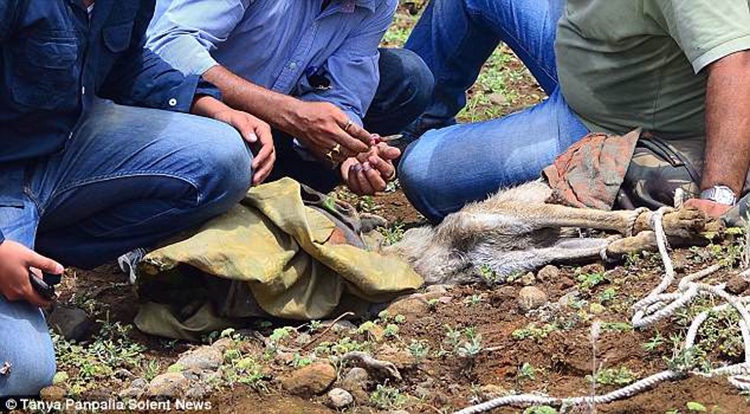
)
(353, 68)
(186, 31)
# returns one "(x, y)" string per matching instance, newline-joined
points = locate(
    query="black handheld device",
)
(45, 286)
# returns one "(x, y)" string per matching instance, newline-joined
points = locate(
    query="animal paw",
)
(686, 223)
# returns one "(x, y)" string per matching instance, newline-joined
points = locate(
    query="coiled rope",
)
(656, 306)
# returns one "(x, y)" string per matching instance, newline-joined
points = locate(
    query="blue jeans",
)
(402, 95)
(128, 178)
(448, 167)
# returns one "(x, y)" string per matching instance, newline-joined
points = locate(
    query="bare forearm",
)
(727, 155)
(239, 93)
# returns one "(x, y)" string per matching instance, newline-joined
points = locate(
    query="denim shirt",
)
(54, 60)
(288, 46)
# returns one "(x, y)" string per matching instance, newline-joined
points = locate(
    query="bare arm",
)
(320, 125)
(728, 122)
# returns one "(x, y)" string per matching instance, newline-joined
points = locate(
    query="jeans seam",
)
(146, 220)
(130, 174)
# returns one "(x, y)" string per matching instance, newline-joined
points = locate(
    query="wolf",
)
(521, 229)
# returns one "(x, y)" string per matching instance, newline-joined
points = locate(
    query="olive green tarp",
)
(271, 255)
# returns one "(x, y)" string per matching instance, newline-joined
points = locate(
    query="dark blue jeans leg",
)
(403, 93)
(131, 177)
(455, 38)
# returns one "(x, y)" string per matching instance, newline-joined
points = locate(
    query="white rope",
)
(656, 306)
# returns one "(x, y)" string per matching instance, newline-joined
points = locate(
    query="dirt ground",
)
(459, 347)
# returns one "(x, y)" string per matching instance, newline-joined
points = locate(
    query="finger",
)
(265, 169)
(363, 181)
(261, 157)
(359, 133)
(376, 181)
(385, 168)
(33, 297)
(388, 152)
(43, 263)
(246, 129)
(351, 178)
(352, 145)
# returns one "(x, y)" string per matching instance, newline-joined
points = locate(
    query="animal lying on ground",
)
(518, 229)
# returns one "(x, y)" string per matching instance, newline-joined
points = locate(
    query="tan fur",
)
(518, 230)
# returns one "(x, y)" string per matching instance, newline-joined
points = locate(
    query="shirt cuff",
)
(2, 237)
(208, 89)
(721, 51)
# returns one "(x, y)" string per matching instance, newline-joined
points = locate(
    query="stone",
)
(168, 386)
(737, 284)
(71, 323)
(548, 274)
(531, 297)
(490, 392)
(310, 380)
(197, 391)
(136, 389)
(123, 374)
(412, 306)
(567, 299)
(223, 344)
(528, 279)
(53, 393)
(356, 378)
(441, 289)
(204, 358)
(343, 326)
(339, 398)
(497, 98)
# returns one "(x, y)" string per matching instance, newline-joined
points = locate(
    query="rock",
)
(531, 297)
(737, 285)
(528, 279)
(123, 374)
(135, 391)
(591, 268)
(53, 393)
(399, 357)
(356, 378)
(71, 323)
(441, 289)
(309, 380)
(167, 386)
(568, 298)
(412, 306)
(223, 344)
(284, 358)
(339, 398)
(204, 358)
(548, 275)
(197, 391)
(343, 326)
(490, 392)
(498, 99)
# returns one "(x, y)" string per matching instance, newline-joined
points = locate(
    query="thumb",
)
(44, 264)
(390, 153)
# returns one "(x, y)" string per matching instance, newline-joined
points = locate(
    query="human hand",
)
(323, 128)
(710, 208)
(258, 134)
(15, 262)
(370, 172)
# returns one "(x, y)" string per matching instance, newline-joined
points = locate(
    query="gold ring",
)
(392, 176)
(329, 155)
(349, 123)
(336, 149)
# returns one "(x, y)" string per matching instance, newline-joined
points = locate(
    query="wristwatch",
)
(720, 194)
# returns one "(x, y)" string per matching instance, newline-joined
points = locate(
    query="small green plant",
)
(654, 343)
(280, 334)
(608, 295)
(315, 325)
(392, 234)
(366, 204)
(687, 360)
(588, 281)
(540, 409)
(526, 372)
(531, 331)
(613, 376)
(368, 326)
(696, 407)
(470, 348)
(419, 350)
(391, 330)
(387, 398)
(489, 276)
(299, 361)
(616, 327)
(473, 300)
(432, 304)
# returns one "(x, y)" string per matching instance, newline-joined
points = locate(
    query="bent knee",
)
(227, 166)
(418, 81)
(27, 374)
